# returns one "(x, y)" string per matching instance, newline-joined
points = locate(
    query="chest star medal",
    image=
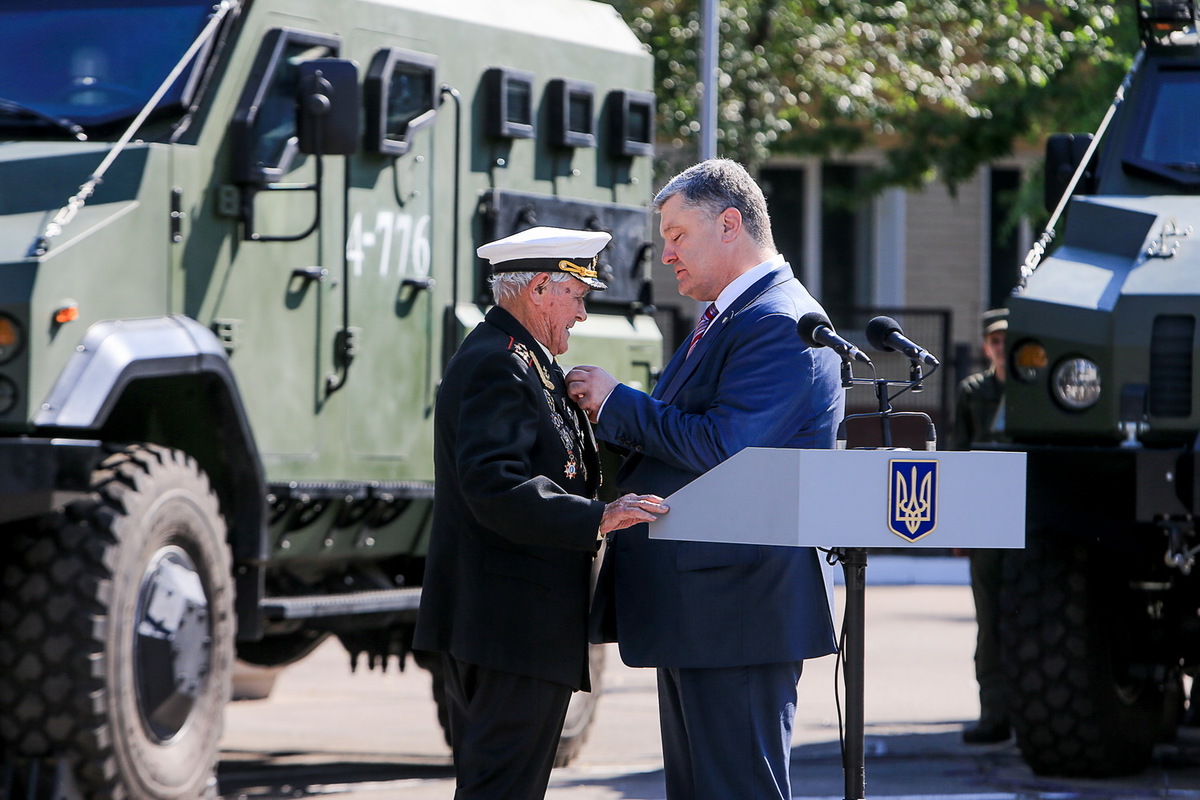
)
(571, 467)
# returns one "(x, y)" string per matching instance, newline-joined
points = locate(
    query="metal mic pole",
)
(885, 411)
(854, 565)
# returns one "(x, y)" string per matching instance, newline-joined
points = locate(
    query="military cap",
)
(994, 320)
(544, 249)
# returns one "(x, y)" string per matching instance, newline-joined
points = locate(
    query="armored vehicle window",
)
(508, 95)
(1167, 147)
(631, 115)
(92, 63)
(265, 123)
(401, 97)
(570, 114)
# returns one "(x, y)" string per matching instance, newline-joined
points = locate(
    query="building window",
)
(1006, 234)
(785, 189)
(827, 231)
(847, 246)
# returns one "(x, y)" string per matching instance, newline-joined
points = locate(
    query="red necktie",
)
(710, 313)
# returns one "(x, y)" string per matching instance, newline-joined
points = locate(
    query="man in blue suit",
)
(727, 625)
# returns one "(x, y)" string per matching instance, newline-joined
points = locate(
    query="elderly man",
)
(515, 521)
(727, 625)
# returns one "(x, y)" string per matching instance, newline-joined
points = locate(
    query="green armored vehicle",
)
(1100, 617)
(237, 248)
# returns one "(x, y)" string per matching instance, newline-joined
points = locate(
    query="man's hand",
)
(590, 387)
(631, 509)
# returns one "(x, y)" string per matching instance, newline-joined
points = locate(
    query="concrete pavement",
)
(325, 731)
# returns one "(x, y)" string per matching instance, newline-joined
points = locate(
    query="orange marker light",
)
(67, 313)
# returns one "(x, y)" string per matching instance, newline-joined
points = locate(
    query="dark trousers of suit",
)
(504, 730)
(727, 732)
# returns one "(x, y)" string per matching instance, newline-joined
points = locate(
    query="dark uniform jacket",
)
(976, 405)
(514, 516)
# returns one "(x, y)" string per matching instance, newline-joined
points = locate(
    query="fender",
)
(113, 355)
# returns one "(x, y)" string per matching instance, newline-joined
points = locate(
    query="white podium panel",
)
(854, 498)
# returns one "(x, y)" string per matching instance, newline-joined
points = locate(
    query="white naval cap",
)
(545, 249)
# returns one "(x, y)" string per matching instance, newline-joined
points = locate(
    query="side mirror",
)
(328, 107)
(1064, 154)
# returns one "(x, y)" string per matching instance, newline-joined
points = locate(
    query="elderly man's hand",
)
(631, 509)
(590, 387)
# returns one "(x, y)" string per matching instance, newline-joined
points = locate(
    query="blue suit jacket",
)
(750, 382)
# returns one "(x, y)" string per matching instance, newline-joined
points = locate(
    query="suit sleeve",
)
(497, 446)
(769, 392)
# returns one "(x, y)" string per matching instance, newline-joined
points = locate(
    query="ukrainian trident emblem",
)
(912, 497)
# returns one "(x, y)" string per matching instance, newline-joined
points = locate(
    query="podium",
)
(854, 498)
(848, 501)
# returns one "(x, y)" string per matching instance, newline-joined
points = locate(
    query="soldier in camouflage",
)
(979, 419)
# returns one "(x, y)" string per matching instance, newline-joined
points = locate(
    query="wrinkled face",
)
(692, 246)
(561, 305)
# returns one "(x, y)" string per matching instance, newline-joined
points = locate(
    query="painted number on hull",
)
(398, 241)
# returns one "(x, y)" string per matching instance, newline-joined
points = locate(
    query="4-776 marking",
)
(399, 241)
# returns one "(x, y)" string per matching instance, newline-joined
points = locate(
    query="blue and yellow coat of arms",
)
(912, 497)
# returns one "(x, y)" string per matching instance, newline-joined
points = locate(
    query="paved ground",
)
(326, 732)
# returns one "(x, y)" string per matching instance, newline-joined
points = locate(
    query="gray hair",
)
(717, 184)
(506, 286)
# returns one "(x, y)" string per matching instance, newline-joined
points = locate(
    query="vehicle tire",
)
(580, 713)
(1078, 709)
(117, 632)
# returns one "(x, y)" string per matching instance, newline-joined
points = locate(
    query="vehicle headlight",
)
(1029, 359)
(1076, 383)
(12, 338)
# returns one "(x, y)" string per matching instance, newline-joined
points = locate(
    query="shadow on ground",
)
(927, 761)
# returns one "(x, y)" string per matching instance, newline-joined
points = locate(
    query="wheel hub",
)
(172, 646)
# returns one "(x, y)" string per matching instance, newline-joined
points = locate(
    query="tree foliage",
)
(939, 86)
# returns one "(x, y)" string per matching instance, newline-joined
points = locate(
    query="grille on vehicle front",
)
(1171, 365)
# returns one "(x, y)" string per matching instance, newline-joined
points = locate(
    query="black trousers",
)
(987, 570)
(504, 731)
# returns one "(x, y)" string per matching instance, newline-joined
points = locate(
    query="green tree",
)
(939, 86)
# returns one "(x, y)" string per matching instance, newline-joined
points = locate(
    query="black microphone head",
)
(878, 330)
(808, 324)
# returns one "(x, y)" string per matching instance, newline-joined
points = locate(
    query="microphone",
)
(815, 330)
(884, 334)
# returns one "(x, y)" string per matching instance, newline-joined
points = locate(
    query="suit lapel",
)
(688, 364)
(673, 381)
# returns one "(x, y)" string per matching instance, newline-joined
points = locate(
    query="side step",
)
(341, 605)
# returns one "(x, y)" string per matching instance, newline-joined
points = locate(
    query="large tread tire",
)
(580, 713)
(117, 632)
(1076, 709)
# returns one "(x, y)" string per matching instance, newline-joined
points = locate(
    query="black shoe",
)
(987, 731)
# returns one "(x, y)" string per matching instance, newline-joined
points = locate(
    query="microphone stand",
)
(854, 568)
